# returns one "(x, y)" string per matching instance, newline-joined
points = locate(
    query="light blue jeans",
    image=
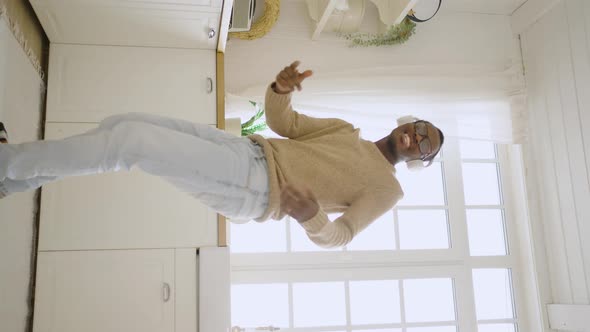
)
(227, 173)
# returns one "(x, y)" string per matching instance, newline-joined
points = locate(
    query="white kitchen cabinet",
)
(214, 289)
(88, 83)
(123, 210)
(111, 57)
(164, 290)
(155, 23)
(98, 291)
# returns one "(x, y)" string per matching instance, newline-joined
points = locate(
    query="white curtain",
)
(473, 102)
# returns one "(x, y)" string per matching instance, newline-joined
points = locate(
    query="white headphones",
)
(417, 164)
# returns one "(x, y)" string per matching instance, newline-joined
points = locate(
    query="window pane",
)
(375, 302)
(429, 300)
(423, 229)
(477, 150)
(486, 232)
(319, 304)
(270, 236)
(433, 329)
(480, 181)
(496, 328)
(301, 242)
(259, 305)
(380, 235)
(422, 188)
(493, 293)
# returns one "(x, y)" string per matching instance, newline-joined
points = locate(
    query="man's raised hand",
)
(290, 78)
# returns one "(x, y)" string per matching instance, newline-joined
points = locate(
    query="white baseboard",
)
(569, 317)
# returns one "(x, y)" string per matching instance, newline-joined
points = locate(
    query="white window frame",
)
(455, 263)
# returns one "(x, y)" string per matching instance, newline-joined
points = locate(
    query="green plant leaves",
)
(250, 127)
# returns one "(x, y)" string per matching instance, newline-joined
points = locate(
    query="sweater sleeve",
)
(285, 121)
(357, 217)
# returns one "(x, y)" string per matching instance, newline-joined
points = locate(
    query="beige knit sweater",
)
(346, 173)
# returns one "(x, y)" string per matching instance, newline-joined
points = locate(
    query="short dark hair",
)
(441, 136)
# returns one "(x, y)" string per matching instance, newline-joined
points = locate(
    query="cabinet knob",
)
(209, 85)
(211, 33)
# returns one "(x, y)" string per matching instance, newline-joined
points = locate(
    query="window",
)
(440, 261)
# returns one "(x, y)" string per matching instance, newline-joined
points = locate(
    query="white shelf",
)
(390, 12)
(330, 5)
(393, 11)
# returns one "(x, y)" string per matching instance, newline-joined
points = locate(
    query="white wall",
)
(458, 36)
(450, 38)
(20, 109)
(556, 52)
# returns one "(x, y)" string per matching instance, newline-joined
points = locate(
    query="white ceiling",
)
(499, 7)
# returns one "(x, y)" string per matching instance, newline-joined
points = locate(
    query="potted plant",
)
(255, 124)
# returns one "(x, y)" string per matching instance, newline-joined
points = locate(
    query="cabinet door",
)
(89, 83)
(122, 210)
(187, 290)
(98, 291)
(168, 23)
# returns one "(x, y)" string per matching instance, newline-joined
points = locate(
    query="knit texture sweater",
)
(346, 173)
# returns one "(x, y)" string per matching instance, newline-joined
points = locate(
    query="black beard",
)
(392, 148)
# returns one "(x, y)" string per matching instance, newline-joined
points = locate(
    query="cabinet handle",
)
(209, 85)
(166, 292)
(211, 33)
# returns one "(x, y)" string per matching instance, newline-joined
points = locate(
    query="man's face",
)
(416, 140)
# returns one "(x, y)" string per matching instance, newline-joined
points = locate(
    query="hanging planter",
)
(395, 35)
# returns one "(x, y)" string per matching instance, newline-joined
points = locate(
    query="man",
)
(323, 166)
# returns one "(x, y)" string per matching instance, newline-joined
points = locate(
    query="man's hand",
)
(300, 204)
(290, 78)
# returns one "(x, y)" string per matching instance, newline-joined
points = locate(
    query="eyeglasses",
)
(425, 147)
